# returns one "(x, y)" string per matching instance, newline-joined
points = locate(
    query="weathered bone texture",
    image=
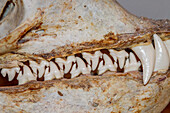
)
(9, 21)
(88, 94)
(57, 28)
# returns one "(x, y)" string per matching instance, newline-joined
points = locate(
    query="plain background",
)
(157, 9)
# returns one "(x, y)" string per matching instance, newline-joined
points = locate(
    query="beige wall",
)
(159, 9)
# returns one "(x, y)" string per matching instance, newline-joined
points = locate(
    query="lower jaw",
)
(132, 75)
(111, 92)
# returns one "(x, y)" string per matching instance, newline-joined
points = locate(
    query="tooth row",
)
(157, 59)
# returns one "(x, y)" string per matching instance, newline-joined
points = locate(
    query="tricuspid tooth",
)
(162, 57)
(68, 63)
(39, 67)
(146, 54)
(94, 58)
(54, 72)
(120, 55)
(81, 68)
(167, 43)
(26, 76)
(11, 73)
(131, 63)
(108, 65)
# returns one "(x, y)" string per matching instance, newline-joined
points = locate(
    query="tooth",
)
(113, 54)
(21, 79)
(4, 72)
(82, 66)
(27, 75)
(12, 72)
(167, 43)
(68, 64)
(108, 65)
(147, 56)
(131, 65)
(74, 72)
(162, 56)
(94, 58)
(60, 62)
(40, 67)
(54, 72)
(87, 57)
(120, 55)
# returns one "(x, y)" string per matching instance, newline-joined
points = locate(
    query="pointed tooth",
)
(167, 43)
(121, 55)
(131, 63)
(56, 72)
(4, 72)
(87, 57)
(34, 66)
(61, 62)
(41, 68)
(21, 79)
(101, 68)
(26, 76)
(147, 56)
(108, 63)
(74, 72)
(162, 56)
(12, 73)
(82, 66)
(68, 64)
(95, 59)
(28, 73)
(113, 54)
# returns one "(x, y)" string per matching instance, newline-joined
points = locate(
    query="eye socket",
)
(9, 6)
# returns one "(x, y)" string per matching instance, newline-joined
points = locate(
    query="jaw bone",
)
(162, 58)
(146, 54)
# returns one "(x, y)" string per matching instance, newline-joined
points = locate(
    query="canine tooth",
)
(54, 72)
(162, 57)
(167, 43)
(147, 56)
(82, 66)
(131, 63)
(40, 67)
(68, 64)
(27, 75)
(108, 65)
(74, 72)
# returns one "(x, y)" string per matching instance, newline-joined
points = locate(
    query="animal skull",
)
(81, 56)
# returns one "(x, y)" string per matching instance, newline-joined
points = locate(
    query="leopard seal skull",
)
(82, 56)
